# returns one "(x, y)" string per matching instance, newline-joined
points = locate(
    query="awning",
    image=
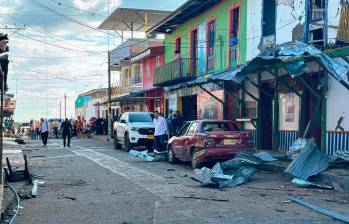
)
(292, 56)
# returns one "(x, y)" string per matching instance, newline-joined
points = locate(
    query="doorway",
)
(189, 107)
(194, 51)
(267, 116)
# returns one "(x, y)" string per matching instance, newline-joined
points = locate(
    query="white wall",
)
(337, 105)
(290, 13)
(333, 18)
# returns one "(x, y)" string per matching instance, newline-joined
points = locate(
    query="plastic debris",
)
(305, 183)
(145, 155)
(311, 161)
(35, 188)
(265, 156)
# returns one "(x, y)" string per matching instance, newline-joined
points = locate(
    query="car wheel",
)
(128, 145)
(193, 161)
(116, 142)
(171, 156)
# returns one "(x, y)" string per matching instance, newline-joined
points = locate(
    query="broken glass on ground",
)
(154, 157)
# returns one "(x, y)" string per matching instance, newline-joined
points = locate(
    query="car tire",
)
(128, 144)
(116, 142)
(171, 156)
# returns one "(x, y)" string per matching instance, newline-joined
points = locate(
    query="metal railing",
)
(180, 70)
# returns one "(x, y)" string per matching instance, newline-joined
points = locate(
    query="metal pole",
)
(109, 98)
(65, 105)
(1, 121)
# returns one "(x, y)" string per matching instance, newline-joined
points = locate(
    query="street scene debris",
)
(150, 157)
(233, 172)
(323, 211)
(309, 162)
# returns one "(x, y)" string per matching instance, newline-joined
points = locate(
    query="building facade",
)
(223, 58)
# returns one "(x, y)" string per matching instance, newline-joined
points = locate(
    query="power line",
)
(59, 46)
(70, 18)
(72, 7)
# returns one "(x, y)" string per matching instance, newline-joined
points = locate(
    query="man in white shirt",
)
(44, 129)
(161, 132)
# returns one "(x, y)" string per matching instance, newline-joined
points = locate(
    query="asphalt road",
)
(93, 183)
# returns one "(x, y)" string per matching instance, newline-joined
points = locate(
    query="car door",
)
(189, 140)
(177, 142)
(121, 127)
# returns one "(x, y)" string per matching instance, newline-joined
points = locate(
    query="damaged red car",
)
(207, 141)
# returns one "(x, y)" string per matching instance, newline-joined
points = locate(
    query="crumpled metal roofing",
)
(311, 161)
(291, 55)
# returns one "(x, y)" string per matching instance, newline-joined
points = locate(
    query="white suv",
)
(134, 129)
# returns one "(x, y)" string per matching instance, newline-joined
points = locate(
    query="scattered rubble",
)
(310, 161)
(233, 172)
(323, 211)
(154, 157)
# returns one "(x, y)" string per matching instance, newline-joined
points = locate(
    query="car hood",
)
(142, 124)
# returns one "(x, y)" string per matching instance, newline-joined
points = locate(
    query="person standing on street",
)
(161, 132)
(44, 129)
(66, 129)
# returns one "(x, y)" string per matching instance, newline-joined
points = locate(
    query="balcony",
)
(180, 70)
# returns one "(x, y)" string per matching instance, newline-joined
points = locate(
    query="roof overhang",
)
(147, 53)
(128, 19)
(293, 56)
(187, 11)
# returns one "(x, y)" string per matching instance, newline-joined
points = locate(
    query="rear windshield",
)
(139, 118)
(219, 126)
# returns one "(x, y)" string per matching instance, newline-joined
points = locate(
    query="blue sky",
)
(78, 64)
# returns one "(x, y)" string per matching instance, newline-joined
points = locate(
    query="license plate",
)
(229, 141)
(150, 136)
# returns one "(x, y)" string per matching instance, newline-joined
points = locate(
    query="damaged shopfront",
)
(286, 92)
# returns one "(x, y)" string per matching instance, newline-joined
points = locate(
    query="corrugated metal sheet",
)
(286, 138)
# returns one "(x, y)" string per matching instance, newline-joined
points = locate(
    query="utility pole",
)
(1, 120)
(65, 105)
(109, 98)
(109, 85)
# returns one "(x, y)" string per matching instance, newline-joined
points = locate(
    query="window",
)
(147, 70)
(317, 10)
(219, 126)
(139, 117)
(157, 61)
(269, 19)
(192, 129)
(234, 36)
(251, 109)
(183, 130)
(178, 46)
(211, 44)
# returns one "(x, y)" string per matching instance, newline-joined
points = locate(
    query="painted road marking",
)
(153, 183)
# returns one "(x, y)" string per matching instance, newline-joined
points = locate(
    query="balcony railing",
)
(180, 70)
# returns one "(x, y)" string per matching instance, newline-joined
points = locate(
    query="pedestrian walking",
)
(44, 129)
(66, 129)
(161, 132)
(32, 130)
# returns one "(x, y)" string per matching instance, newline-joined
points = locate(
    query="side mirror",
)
(123, 121)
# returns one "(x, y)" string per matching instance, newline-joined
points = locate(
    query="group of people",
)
(165, 128)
